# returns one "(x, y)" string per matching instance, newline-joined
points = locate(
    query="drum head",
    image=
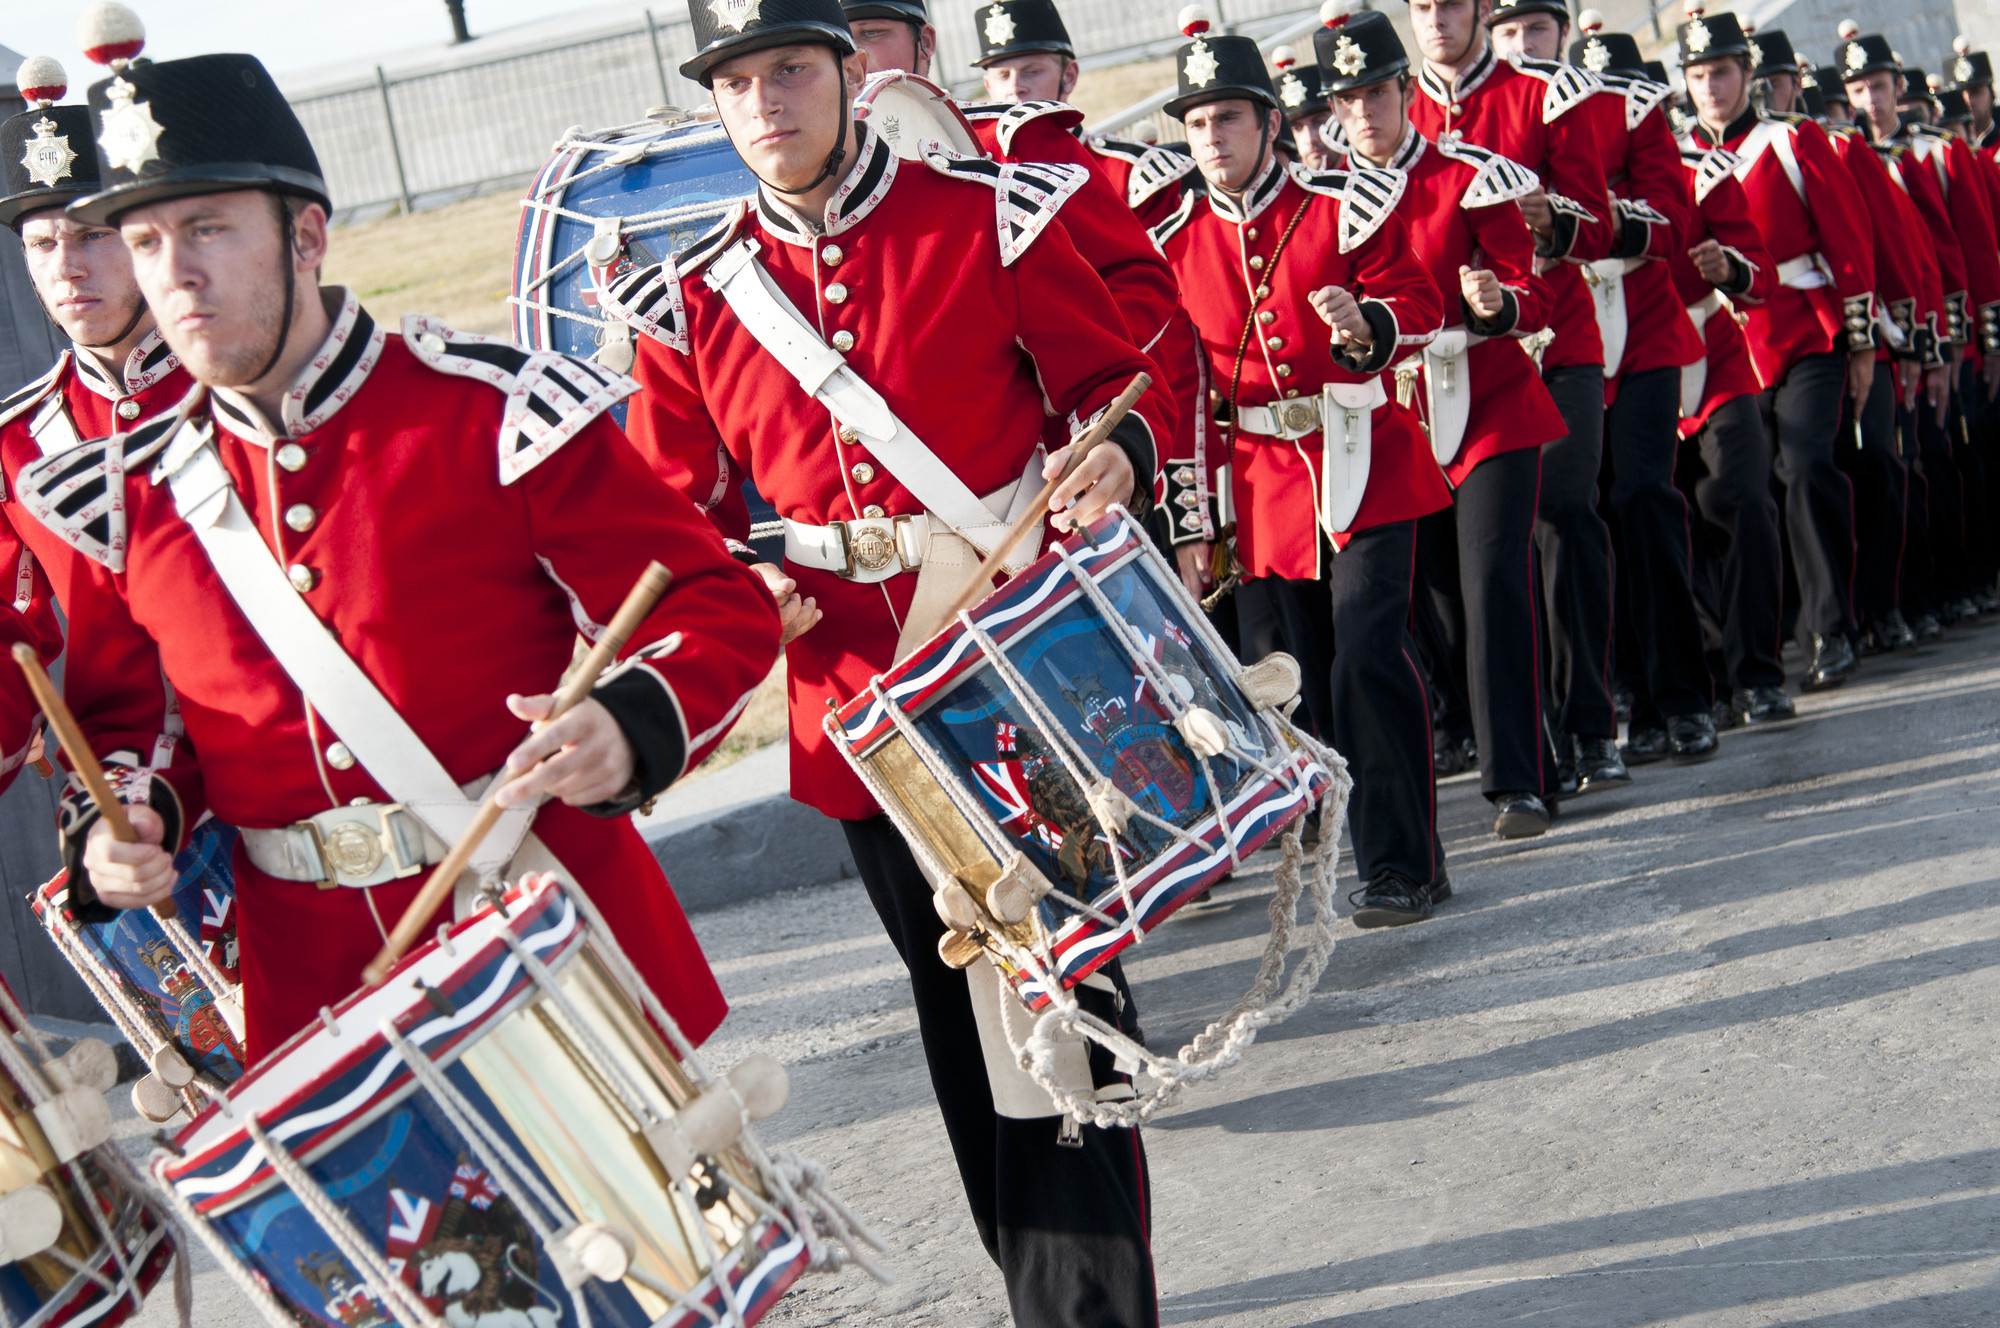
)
(909, 111)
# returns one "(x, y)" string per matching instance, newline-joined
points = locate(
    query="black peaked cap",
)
(1952, 108)
(205, 125)
(1867, 54)
(1916, 85)
(1609, 53)
(48, 159)
(725, 29)
(1361, 52)
(1771, 53)
(1832, 88)
(1974, 69)
(1301, 91)
(1503, 10)
(1710, 37)
(910, 11)
(1020, 27)
(1220, 68)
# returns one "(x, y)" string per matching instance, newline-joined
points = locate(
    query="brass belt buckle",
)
(1297, 417)
(873, 548)
(351, 850)
(838, 529)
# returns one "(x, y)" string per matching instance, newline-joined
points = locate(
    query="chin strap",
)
(833, 158)
(286, 258)
(1263, 146)
(138, 312)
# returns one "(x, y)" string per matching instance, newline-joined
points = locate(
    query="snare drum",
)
(80, 1239)
(1078, 757)
(171, 988)
(498, 1136)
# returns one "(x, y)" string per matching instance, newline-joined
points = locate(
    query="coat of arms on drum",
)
(348, 1301)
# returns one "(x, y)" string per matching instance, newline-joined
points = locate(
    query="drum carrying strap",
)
(782, 330)
(332, 683)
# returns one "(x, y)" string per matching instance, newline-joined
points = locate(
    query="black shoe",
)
(1645, 744)
(1886, 633)
(1621, 705)
(1763, 705)
(1519, 815)
(1391, 900)
(1447, 757)
(1958, 610)
(1725, 714)
(1599, 766)
(1440, 889)
(1567, 785)
(1693, 737)
(1926, 627)
(1832, 662)
(1986, 601)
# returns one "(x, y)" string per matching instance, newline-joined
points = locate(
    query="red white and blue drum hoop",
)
(1015, 616)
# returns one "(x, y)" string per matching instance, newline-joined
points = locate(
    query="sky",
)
(287, 35)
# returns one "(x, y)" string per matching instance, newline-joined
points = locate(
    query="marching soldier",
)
(1302, 91)
(1486, 408)
(349, 562)
(1972, 74)
(973, 327)
(1305, 291)
(1527, 114)
(1813, 339)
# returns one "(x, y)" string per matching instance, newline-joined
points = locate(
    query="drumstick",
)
(653, 583)
(1038, 511)
(80, 757)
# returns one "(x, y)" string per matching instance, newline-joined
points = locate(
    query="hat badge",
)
(48, 156)
(1596, 56)
(1293, 93)
(1756, 53)
(1697, 36)
(127, 133)
(1200, 67)
(1348, 57)
(1963, 70)
(736, 14)
(999, 26)
(1856, 56)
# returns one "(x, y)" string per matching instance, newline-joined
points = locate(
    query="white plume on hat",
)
(1848, 29)
(1961, 44)
(1194, 20)
(1336, 12)
(42, 80)
(110, 33)
(1284, 58)
(1590, 20)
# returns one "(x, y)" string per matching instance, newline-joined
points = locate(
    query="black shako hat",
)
(1771, 53)
(1656, 71)
(910, 11)
(1709, 37)
(1300, 92)
(1970, 68)
(209, 124)
(1358, 51)
(47, 156)
(1916, 86)
(1604, 52)
(1222, 68)
(1503, 10)
(1832, 88)
(1861, 54)
(725, 29)
(1020, 27)
(1809, 96)
(1952, 109)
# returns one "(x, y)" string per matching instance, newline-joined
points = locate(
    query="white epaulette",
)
(1569, 86)
(80, 497)
(1368, 196)
(1014, 117)
(648, 299)
(1641, 96)
(550, 396)
(22, 400)
(1711, 167)
(1026, 195)
(1498, 180)
(1170, 225)
(1153, 167)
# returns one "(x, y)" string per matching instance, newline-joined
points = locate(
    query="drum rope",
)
(969, 805)
(394, 1293)
(121, 1169)
(613, 1070)
(34, 1084)
(126, 1276)
(254, 1289)
(145, 1039)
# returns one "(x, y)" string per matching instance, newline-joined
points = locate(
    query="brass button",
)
(128, 410)
(1291, 391)
(831, 255)
(1284, 371)
(339, 757)
(1456, 109)
(1250, 234)
(873, 511)
(862, 472)
(1263, 292)
(1266, 317)
(1274, 342)
(836, 294)
(1256, 263)
(431, 342)
(300, 517)
(292, 457)
(849, 435)
(303, 578)
(843, 340)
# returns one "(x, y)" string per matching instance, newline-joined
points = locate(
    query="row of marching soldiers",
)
(1423, 375)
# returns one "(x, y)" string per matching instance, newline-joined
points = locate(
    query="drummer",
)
(972, 337)
(382, 568)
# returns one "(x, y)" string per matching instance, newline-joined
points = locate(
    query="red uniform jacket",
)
(1528, 113)
(456, 539)
(1721, 213)
(76, 399)
(1337, 229)
(1643, 172)
(1962, 189)
(1148, 177)
(1944, 250)
(1111, 239)
(973, 332)
(1909, 288)
(1459, 206)
(1807, 205)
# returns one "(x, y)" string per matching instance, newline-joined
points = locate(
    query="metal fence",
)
(423, 137)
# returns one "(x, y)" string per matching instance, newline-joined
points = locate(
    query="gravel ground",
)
(1716, 1050)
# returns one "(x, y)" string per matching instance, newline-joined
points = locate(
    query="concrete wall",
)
(1921, 31)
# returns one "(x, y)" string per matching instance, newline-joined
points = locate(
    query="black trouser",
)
(1802, 415)
(1477, 558)
(1747, 563)
(1944, 496)
(1650, 530)
(1352, 628)
(1968, 445)
(1917, 586)
(1878, 477)
(1575, 555)
(1069, 1227)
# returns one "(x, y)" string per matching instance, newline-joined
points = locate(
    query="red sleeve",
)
(1573, 172)
(1656, 178)
(1972, 221)
(1906, 275)
(1845, 236)
(32, 622)
(1922, 187)
(1384, 270)
(1725, 214)
(669, 423)
(1508, 252)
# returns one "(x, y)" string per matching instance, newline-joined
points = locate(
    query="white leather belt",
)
(869, 550)
(1295, 417)
(358, 846)
(1806, 272)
